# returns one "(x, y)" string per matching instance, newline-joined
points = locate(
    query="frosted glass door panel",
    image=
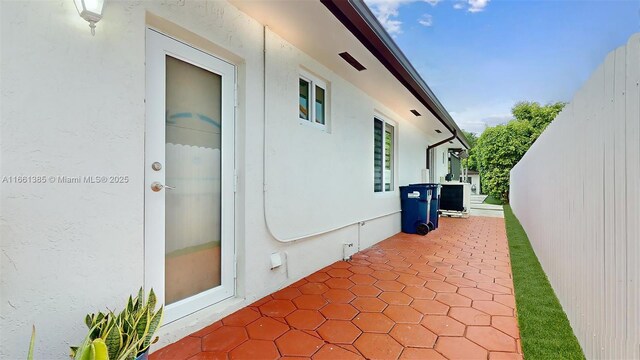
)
(193, 169)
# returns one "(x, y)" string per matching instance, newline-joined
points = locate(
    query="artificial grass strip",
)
(544, 328)
(493, 201)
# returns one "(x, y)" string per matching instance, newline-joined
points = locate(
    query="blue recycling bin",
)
(415, 201)
(434, 205)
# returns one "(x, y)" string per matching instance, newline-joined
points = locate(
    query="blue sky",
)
(482, 56)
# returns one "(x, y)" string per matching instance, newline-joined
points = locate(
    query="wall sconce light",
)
(91, 11)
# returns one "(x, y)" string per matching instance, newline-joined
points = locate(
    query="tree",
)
(538, 116)
(498, 150)
(470, 163)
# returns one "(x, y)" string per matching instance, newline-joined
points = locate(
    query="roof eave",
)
(362, 23)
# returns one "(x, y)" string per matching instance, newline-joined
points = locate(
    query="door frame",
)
(158, 46)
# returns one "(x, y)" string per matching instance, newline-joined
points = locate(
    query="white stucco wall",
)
(73, 105)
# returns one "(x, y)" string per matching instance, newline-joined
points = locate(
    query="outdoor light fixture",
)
(90, 10)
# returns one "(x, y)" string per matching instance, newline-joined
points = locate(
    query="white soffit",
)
(311, 27)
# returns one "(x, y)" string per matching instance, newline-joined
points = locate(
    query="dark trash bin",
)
(434, 204)
(415, 202)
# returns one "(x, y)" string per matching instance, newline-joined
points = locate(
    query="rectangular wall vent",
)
(415, 112)
(438, 131)
(352, 61)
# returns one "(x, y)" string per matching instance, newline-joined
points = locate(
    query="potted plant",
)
(125, 336)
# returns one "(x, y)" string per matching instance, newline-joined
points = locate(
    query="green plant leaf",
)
(32, 343)
(113, 340)
(100, 350)
(151, 302)
(142, 325)
(153, 326)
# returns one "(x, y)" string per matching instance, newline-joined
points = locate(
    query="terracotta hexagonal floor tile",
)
(255, 349)
(310, 302)
(421, 354)
(314, 288)
(266, 328)
(318, 277)
(277, 308)
(305, 319)
(339, 273)
(469, 316)
(365, 290)
(439, 264)
(395, 298)
(298, 343)
(369, 304)
(461, 282)
(373, 322)
(333, 352)
(504, 356)
(432, 276)
(361, 270)
(430, 307)
(339, 331)
(403, 314)
(389, 285)
(384, 275)
(338, 296)
(441, 286)
(479, 278)
(339, 283)
(224, 339)
(299, 283)
(398, 264)
(339, 311)
(506, 300)
(449, 272)
(378, 346)
(496, 274)
(506, 324)
(491, 339)
(241, 317)
(453, 299)
(287, 293)
(259, 302)
(492, 308)
(362, 279)
(181, 349)
(423, 268)
(460, 348)
(443, 325)
(341, 265)
(419, 292)
(494, 288)
(475, 294)
(411, 335)
(207, 330)
(208, 355)
(411, 280)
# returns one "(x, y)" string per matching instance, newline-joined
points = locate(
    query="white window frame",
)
(313, 82)
(394, 159)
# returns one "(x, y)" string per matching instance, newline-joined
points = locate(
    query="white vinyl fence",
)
(577, 194)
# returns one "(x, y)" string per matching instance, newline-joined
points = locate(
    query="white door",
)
(189, 176)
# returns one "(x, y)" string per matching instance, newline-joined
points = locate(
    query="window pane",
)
(319, 105)
(388, 157)
(304, 99)
(193, 152)
(377, 155)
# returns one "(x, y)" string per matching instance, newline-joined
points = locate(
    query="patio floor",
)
(447, 295)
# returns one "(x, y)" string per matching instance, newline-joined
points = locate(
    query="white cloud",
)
(472, 6)
(426, 20)
(477, 5)
(387, 12)
(477, 118)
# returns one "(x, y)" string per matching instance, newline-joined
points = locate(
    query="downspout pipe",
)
(454, 132)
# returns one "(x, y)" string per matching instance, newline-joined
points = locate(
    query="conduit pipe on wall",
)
(438, 144)
(264, 164)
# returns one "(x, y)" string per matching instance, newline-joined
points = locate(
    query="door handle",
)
(156, 186)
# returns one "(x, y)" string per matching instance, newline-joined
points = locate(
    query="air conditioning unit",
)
(455, 199)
